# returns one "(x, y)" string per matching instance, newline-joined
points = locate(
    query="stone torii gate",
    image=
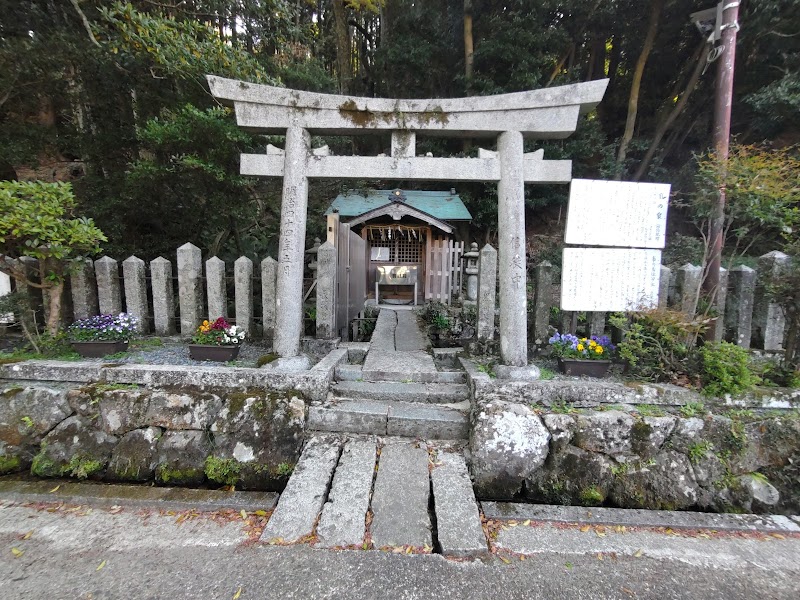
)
(550, 113)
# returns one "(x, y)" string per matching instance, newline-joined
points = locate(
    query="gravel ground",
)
(177, 353)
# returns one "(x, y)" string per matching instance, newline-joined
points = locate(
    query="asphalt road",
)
(77, 552)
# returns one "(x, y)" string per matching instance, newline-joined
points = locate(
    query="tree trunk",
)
(664, 126)
(54, 295)
(633, 99)
(343, 50)
(468, 41)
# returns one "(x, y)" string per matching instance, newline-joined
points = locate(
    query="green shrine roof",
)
(445, 206)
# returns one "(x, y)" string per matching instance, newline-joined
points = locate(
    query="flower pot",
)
(578, 366)
(215, 353)
(99, 349)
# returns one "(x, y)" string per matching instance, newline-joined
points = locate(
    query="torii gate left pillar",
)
(540, 114)
(294, 210)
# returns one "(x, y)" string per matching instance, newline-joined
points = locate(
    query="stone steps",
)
(427, 393)
(356, 373)
(407, 419)
(418, 499)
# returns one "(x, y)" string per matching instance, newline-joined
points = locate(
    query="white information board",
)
(5, 288)
(610, 279)
(617, 213)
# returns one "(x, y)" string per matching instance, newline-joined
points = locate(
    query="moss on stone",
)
(11, 391)
(225, 471)
(266, 359)
(81, 467)
(43, 465)
(592, 496)
(166, 474)
(9, 464)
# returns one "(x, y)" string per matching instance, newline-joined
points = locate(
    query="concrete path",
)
(386, 496)
(120, 553)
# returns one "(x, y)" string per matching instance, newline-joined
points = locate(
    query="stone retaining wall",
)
(638, 457)
(178, 435)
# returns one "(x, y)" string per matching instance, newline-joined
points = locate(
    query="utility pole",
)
(722, 133)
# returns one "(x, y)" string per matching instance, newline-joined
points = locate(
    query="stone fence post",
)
(84, 291)
(243, 292)
(487, 293)
(269, 277)
(768, 320)
(190, 288)
(542, 300)
(326, 291)
(687, 287)
(738, 317)
(108, 292)
(133, 272)
(163, 296)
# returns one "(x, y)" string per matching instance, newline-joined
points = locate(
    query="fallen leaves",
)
(101, 565)
(17, 552)
(55, 489)
(27, 536)
(238, 594)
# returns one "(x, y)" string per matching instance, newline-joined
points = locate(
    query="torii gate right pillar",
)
(511, 234)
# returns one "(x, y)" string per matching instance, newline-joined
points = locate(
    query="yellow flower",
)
(583, 339)
(592, 344)
(580, 347)
(599, 349)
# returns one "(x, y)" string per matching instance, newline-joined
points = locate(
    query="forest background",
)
(112, 97)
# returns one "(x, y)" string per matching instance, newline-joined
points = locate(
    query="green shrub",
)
(660, 345)
(725, 369)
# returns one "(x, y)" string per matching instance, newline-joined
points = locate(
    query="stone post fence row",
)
(174, 300)
(749, 318)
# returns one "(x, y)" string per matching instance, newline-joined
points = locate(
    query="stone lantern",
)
(471, 269)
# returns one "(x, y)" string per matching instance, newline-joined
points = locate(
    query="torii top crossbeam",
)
(549, 113)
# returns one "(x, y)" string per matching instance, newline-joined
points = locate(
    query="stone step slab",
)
(349, 416)
(427, 421)
(432, 393)
(458, 521)
(405, 419)
(305, 493)
(343, 519)
(348, 373)
(400, 500)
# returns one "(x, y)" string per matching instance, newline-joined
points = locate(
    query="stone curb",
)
(313, 383)
(639, 518)
(585, 393)
(138, 496)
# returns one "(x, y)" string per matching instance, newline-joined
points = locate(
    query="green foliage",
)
(82, 467)
(725, 369)
(546, 374)
(649, 410)
(659, 345)
(682, 249)
(173, 48)
(699, 450)
(36, 220)
(692, 409)
(561, 407)
(225, 471)
(284, 469)
(190, 158)
(592, 496)
(761, 194)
